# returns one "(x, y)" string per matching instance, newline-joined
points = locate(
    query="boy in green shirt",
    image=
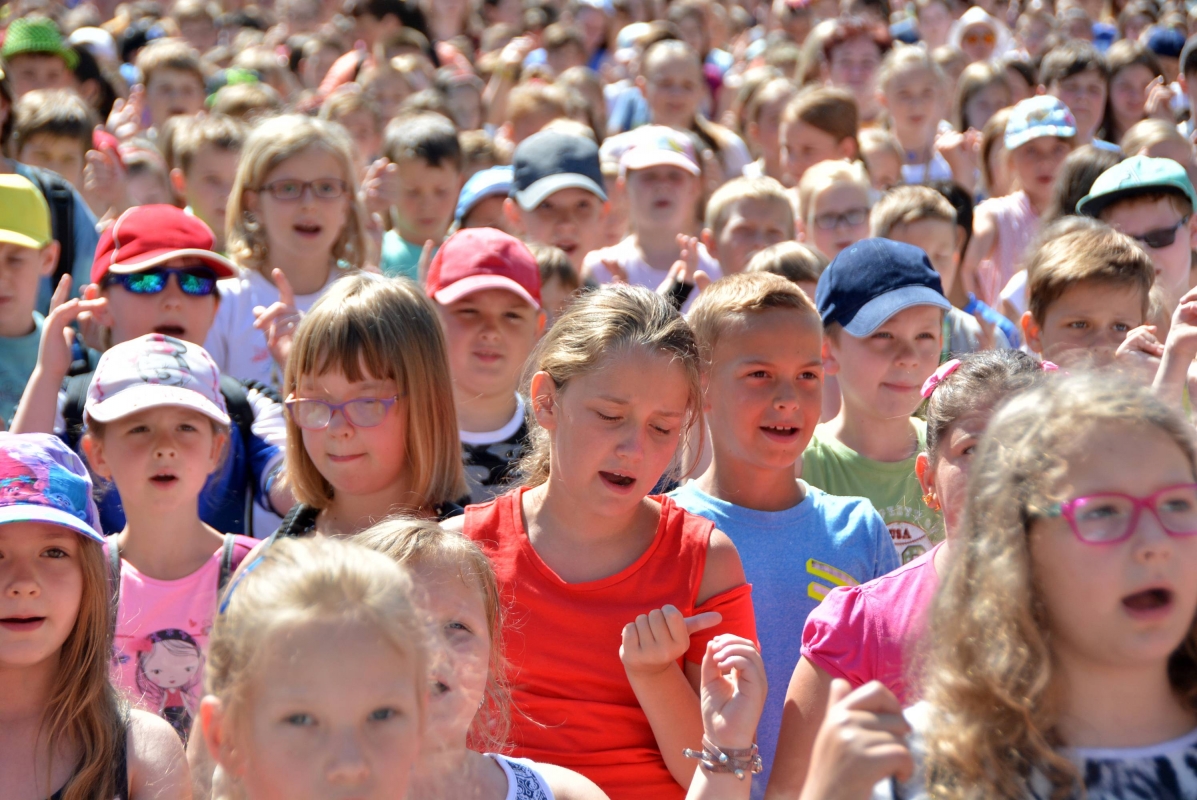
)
(883, 310)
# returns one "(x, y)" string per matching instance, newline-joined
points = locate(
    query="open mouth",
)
(164, 478)
(307, 228)
(784, 432)
(439, 689)
(1148, 601)
(21, 624)
(617, 479)
(176, 331)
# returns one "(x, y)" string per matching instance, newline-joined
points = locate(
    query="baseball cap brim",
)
(477, 283)
(645, 157)
(31, 512)
(154, 395)
(873, 314)
(219, 264)
(1093, 204)
(1039, 132)
(531, 198)
(495, 189)
(21, 240)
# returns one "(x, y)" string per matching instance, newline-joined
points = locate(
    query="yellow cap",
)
(24, 214)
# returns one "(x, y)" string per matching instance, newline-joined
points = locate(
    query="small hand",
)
(685, 269)
(124, 121)
(1159, 101)
(988, 339)
(1141, 351)
(380, 186)
(54, 354)
(105, 182)
(279, 320)
(424, 261)
(733, 691)
(1182, 336)
(659, 638)
(616, 270)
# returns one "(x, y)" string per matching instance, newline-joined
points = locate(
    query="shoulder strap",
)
(72, 409)
(236, 399)
(61, 199)
(114, 584)
(226, 562)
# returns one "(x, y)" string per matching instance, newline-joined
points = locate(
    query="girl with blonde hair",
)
(66, 732)
(294, 224)
(370, 417)
(1063, 651)
(587, 556)
(317, 678)
(470, 713)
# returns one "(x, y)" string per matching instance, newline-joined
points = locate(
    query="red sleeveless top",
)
(573, 704)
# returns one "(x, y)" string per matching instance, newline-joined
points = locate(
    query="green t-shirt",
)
(400, 258)
(891, 487)
(18, 357)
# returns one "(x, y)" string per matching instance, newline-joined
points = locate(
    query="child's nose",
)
(347, 764)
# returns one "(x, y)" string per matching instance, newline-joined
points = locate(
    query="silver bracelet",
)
(737, 762)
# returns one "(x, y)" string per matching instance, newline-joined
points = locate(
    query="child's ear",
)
(214, 727)
(1031, 332)
(922, 471)
(541, 320)
(543, 393)
(706, 386)
(178, 182)
(515, 215)
(707, 237)
(49, 256)
(219, 442)
(831, 365)
(961, 236)
(1193, 231)
(799, 229)
(847, 148)
(93, 448)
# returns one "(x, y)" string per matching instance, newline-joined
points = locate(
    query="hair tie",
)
(939, 376)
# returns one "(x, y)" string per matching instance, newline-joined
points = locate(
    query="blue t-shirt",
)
(793, 558)
(18, 357)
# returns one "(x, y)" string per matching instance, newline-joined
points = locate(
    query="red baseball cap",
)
(475, 259)
(146, 236)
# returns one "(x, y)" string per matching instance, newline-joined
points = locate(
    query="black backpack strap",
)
(226, 562)
(72, 409)
(241, 413)
(61, 199)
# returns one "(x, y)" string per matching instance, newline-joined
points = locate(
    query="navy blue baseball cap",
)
(550, 161)
(481, 185)
(1165, 42)
(874, 279)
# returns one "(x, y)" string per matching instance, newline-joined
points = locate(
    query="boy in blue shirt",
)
(761, 340)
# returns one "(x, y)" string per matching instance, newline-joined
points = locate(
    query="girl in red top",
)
(606, 586)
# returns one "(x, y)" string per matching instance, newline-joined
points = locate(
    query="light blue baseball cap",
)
(1038, 117)
(481, 185)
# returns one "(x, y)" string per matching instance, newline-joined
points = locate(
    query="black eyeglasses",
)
(289, 190)
(850, 218)
(1161, 237)
(194, 281)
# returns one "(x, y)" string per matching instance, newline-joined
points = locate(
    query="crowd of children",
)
(587, 399)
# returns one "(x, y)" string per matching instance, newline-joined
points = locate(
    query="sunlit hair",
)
(764, 188)
(992, 136)
(982, 381)
(298, 582)
(272, 142)
(84, 709)
(989, 668)
(823, 176)
(415, 543)
(793, 261)
(906, 205)
(1074, 180)
(736, 298)
(1079, 249)
(976, 78)
(367, 326)
(608, 322)
(832, 111)
(905, 58)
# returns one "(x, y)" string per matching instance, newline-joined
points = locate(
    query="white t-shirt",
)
(235, 345)
(524, 782)
(639, 273)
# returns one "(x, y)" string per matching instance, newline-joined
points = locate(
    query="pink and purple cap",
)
(42, 480)
(152, 371)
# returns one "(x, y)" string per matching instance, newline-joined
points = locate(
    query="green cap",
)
(1137, 175)
(36, 35)
(24, 214)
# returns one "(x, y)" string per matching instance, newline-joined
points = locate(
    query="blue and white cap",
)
(1038, 117)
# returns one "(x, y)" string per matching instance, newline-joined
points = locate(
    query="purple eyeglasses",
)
(316, 415)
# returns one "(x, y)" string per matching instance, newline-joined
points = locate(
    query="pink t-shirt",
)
(1017, 225)
(162, 637)
(867, 632)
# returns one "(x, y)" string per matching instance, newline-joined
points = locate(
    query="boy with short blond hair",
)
(744, 216)
(794, 261)
(53, 130)
(1088, 287)
(923, 217)
(883, 311)
(28, 253)
(760, 339)
(204, 157)
(832, 208)
(173, 79)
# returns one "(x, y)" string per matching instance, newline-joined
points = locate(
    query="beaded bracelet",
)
(737, 762)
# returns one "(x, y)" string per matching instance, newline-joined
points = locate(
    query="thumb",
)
(840, 689)
(702, 280)
(700, 622)
(286, 295)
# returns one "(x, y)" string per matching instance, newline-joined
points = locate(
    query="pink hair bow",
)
(1048, 366)
(939, 376)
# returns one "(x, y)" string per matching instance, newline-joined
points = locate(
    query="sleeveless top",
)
(523, 780)
(1017, 224)
(573, 703)
(120, 770)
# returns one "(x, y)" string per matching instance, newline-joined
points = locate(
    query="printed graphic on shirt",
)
(169, 667)
(527, 785)
(911, 540)
(490, 468)
(829, 575)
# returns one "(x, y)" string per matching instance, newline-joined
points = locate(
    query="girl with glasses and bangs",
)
(1062, 655)
(295, 224)
(370, 411)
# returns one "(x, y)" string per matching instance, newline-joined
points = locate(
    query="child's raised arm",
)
(1179, 351)
(980, 247)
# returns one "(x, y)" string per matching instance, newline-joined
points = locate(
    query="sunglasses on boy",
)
(316, 415)
(193, 281)
(1111, 517)
(1161, 237)
(972, 38)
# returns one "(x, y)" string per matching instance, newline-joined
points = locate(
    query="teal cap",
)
(1137, 175)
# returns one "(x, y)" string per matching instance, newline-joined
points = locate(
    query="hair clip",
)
(939, 376)
(228, 595)
(1048, 366)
